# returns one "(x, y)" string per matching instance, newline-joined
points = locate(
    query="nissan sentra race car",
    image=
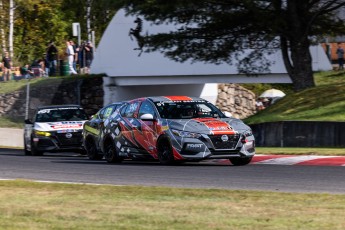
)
(174, 129)
(54, 129)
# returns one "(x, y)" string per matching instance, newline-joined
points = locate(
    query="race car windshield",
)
(61, 114)
(187, 110)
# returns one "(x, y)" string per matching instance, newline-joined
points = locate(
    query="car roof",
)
(175, 98)
(115, 103)
(58, 106)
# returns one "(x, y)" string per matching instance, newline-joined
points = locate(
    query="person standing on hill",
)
(7, 65)
(75, 56)
(52, 57)
(340, 53)
(88, 55)
(70, 57)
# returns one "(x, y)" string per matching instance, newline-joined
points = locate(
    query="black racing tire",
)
(111, 155)
(35, 151)
(26, 151)
(165, 152)
(241, 161)
(91, 150)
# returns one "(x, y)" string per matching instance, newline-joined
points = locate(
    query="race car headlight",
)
(248, 133)
(42, 133)
(185, 134)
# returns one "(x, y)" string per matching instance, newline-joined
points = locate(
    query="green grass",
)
(32, 205)
(300, 151)
(11, 86)
(325, 102)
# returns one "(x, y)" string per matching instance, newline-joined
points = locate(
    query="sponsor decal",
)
(52, 109)
(70, 125)
(164, 128)
(194, 146)
(67, 131)
(67, 126)
(216, 126)
(179, 98)
(68, 135)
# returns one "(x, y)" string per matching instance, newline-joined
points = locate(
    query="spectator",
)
(259, 104)
(26, 72)
(340, 53)
(88, 55)
(70, 57)
(75, 55)
(52, 57)
(42, 68)
(7, 65)
(266, 101)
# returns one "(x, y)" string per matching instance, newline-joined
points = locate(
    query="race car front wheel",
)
(165, 153)
(110, 153)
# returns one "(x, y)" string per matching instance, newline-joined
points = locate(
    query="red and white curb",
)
(299, 160)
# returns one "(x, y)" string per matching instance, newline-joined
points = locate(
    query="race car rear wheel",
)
(241, 161)
(110, 153)
(35, 151)
(91, 150)
(165, 153)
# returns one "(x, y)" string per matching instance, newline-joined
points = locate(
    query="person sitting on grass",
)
(26, 72)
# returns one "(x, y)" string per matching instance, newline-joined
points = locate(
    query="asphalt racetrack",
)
(269, 173)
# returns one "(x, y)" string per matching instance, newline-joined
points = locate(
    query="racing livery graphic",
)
(92, 129)
(55, 128)
(175, 129)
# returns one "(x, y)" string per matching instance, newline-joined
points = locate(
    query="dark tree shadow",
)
(136, 34)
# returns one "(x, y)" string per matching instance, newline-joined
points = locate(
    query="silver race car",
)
(175, 129)
(55, 128)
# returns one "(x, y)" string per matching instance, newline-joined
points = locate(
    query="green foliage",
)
(37, 22)
(102, 11)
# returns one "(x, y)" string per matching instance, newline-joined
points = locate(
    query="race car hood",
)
(209, 126)
(61, 125)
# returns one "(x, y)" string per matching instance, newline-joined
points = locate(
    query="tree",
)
(11, 25)
(92, 15)
(220, 30)
(27, 26)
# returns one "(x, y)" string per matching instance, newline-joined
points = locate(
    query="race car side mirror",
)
(227, 114)
(27, 121)
(147, 117)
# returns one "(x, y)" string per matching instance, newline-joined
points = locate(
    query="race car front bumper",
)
(58, 141)
(207, 147)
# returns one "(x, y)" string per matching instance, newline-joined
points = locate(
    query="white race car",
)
(55, 128)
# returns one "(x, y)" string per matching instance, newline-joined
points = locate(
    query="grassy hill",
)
(325, 102)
